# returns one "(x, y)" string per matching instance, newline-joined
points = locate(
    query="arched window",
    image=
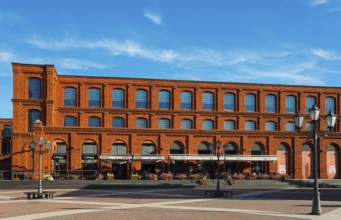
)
(94, 122)
(164, 123)
(207, 125)
(270, 126)
(186, 101)
(118, 98)
(208, 101)
(290, 104)
(147, 148)
(141, 99)
(34, 88)
(290, 126)
(229, 101)
(330, 105)
(229, 125)
(118, 122)
(270, 103)
(33, 115)
(141, 123)
(70, 96)
(186, 124)
(70, 121)
(250, 103)
(203, 148)
(164, 102)
(250, 125)
(6, 132)
(176, 148)
(94, 97)
(310, 101)
(119, 148)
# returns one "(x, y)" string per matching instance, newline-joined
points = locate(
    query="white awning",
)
(151, 157)
(115, 157)
(210, 157)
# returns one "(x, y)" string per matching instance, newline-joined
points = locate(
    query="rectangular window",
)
(270, 103)
(290, 103)
(208, 101)
(250, 103)
(186, 101)
(229, 102)
(141, 99)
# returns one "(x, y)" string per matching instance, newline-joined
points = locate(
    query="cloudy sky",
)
(295, 42)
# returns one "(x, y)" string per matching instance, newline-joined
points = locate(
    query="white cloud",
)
(155, 18)
(318, 2)
(327, 55)
(70, 63)
(6, 56)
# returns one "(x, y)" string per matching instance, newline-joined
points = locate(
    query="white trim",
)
(210, 157)
(115, 157)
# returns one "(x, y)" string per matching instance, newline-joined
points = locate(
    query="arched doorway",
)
(333, 155)
(257, 166)
(307, 157)
(59, 158)
(204, 166)
(89, 159)
(177, 166)
(283, 159)
(230, 149)
(119, 167)
(148, 148)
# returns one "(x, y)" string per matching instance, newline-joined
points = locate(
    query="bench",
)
(36, 195)
(221, 193)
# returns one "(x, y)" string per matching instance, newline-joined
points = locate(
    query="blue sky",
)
(295, 42)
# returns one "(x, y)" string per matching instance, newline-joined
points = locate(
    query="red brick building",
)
(119, 124)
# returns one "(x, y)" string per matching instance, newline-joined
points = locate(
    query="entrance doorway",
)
(119, 170)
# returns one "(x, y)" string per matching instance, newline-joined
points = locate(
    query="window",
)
(147, 148)
(89, 148)
(164, 100)
(119, 149)
(118, 123)
(290, 126)
(33, 115)
(270, 103)
(94, 122)
(207, 125)
(141, 98)
(250, 103)
(186, 124)
(6, 132)
(290, 104)
(141, 123)
(164, 123)
(34, 91)
(229, 125)
(330, 105)
(250, 125)
(61, 148)
(229, 102)
(309, 103)
(118, 98)
(186, 101)
(69, 96)
(270, 126)
(94, 97)
(207, 101)
(309, 126)
(70, 121)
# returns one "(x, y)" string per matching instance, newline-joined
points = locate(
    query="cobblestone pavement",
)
(171, 203)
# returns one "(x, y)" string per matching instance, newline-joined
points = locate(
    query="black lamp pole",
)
(218, 143)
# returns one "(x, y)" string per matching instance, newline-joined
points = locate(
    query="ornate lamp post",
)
(40, 152)
(314, 113)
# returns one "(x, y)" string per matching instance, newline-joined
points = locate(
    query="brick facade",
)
(52, 109)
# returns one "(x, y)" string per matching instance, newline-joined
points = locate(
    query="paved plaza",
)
(109, 201)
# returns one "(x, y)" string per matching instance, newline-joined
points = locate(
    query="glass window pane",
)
(34, 91)
(270, 126)
(141, 123)
(250, 103)
(33, 115)
(229, 125)
(141, 99)
(207, 100)
(250, 125)
(94, 122)
(164, 123)
(290, 103)
(330, 105)
(89, 148)
(290, 126)
(61, 148)
(164, 100)
(147, 149)
(270, 105)
(118, 98)
(118, 123)
(119, 149)
(309, 103)
(69, 97)
(186, 101)
(94, 97)
(186, 124)
(208, 125)
(229, 102)
(70, 121)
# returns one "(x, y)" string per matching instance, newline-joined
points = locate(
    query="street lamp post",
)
(40, 152)
(217, 147)
(314, 113)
